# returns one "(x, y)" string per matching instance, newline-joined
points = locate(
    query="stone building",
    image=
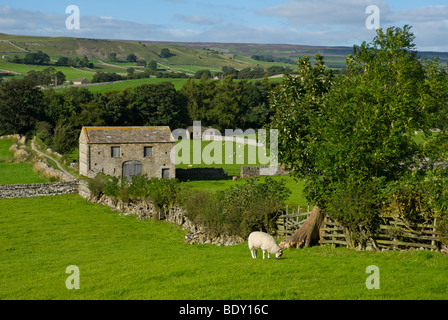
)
(201, 133)
(126, 151)
(81, 81)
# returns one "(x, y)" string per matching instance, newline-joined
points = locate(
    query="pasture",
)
(70, 73)
(121, 257)
(12, 172)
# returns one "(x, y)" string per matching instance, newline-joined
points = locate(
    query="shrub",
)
(420, 197)
(161, 192)
(354, 205)
(240, 209)
(96, 185)
(203, 208)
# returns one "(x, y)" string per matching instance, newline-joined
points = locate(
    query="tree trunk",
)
(309, 234)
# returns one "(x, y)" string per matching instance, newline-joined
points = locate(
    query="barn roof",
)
(122, 135)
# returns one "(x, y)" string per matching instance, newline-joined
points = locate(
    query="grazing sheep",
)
(265, 242)
(235, 178)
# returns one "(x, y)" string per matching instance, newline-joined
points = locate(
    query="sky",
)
(304, 22)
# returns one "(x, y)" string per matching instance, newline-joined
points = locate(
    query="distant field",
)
(121, 85)
(70, 73)
(233, 155)
(178, 83)
(232, 167)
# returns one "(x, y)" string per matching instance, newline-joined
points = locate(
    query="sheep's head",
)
(279, 254)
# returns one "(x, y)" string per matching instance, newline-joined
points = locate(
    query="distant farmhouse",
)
(201, 133)
(126, 151)
(81, 81)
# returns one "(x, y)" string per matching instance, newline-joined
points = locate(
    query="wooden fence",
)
(332, 233)
(291, 222)
(397, 234)
(393, 233)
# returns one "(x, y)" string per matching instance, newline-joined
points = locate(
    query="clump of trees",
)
(228, 104)
(253, 73)
(37, 58)
(351, 138)
(166, 53)
(273, 59)
(75, 62)
(106, 77)
(21, 106)
(46, 77)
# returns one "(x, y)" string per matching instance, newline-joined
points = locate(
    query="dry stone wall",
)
(200, 173)
(256, 171)
(37, 190)
(175, 215)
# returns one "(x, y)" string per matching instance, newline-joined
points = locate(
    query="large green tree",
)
(348, 137)
(159, 104)
(21, 106)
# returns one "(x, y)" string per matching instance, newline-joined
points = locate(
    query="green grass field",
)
(121, 257)
(5, 144)
(232, 166)
(18, 173)
(178, 84)
(70, 73)
(216, 154)
(15, 173)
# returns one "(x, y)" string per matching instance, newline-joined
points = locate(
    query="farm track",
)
(69, 175)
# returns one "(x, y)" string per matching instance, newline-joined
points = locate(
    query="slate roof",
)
(123, 135)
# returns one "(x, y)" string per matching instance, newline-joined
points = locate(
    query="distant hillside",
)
(195, 55)
(332, 54)
(249, 49)
(100, 49)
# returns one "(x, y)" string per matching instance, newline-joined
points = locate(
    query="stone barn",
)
(126, 151)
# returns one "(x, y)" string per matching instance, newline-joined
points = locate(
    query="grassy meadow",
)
(122, 257)
(12, 172)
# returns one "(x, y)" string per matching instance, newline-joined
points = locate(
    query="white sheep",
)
(265, 242)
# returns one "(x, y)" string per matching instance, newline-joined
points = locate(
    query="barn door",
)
(131, 169)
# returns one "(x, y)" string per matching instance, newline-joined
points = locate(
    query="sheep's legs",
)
(254, 253)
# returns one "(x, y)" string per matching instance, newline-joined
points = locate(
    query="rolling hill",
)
(186, 57)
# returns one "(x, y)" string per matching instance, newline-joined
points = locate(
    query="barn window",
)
(148, 152)
(115, 152)
(165, 173)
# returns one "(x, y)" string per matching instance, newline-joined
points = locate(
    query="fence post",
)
(433, 242)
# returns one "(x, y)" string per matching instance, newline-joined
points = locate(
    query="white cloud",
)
(425, 14)
(326, 12)
(327, 22)
(199, 19)
(342, 21)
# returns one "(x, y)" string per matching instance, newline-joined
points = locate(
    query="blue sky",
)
(309, 22)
